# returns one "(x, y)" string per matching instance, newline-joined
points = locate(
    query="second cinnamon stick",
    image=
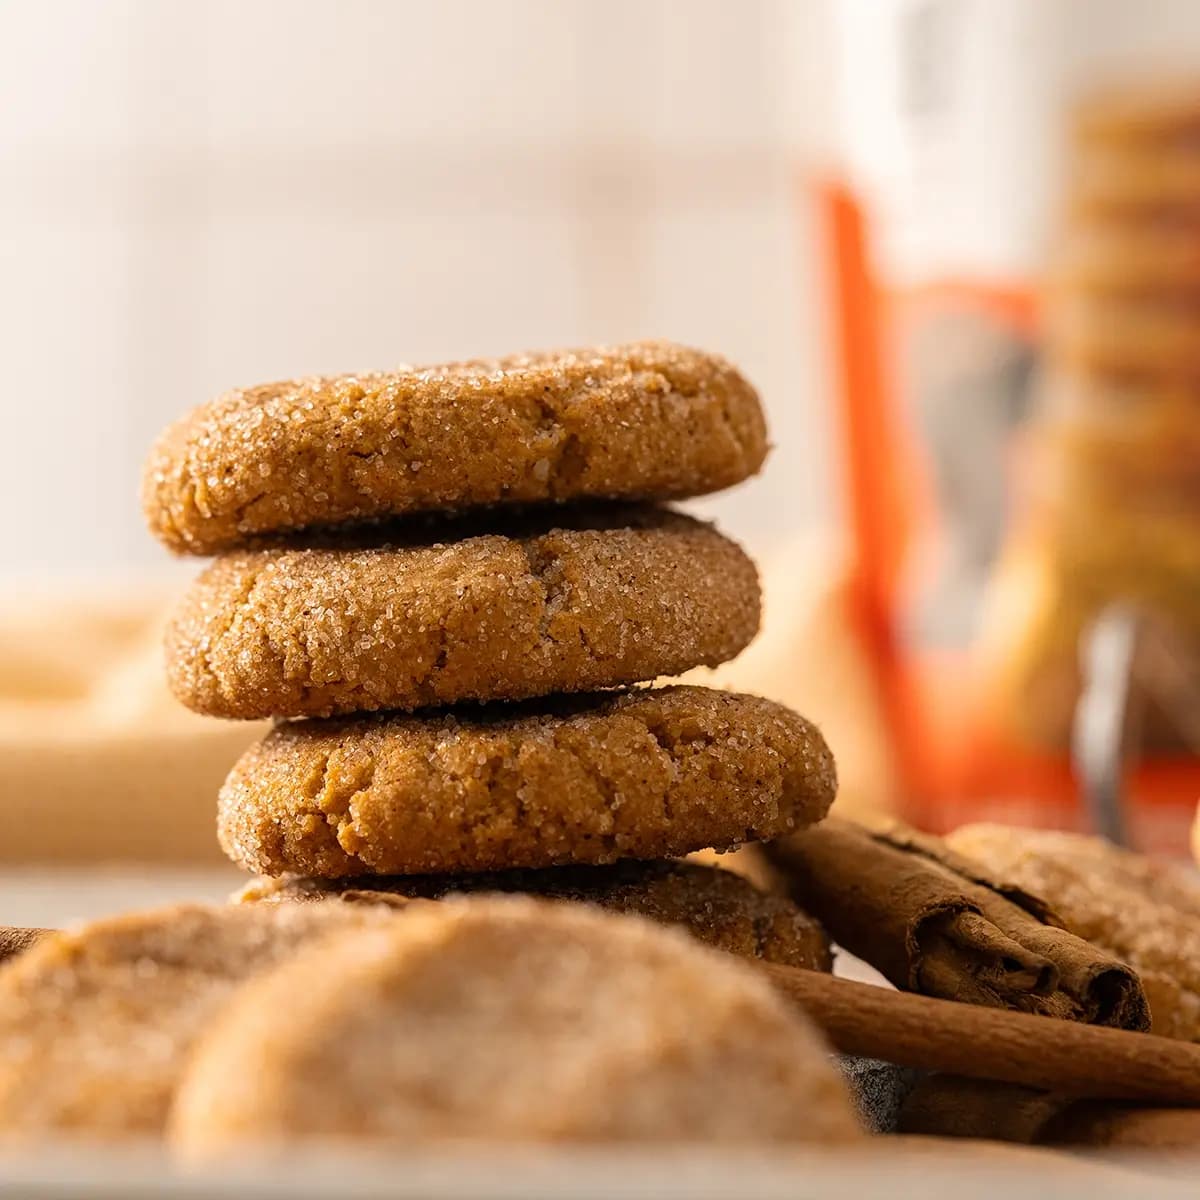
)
(950, 1106)
(993, 1043)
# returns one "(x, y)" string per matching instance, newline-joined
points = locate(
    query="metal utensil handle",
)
(1099, 733)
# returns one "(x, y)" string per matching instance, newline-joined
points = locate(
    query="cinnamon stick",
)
(992, 1043)
(935, 923)
(14, 939)
(949, 1106)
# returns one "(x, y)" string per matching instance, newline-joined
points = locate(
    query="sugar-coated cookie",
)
(649, 420)
(507, 1019)
(430, 613)
(644, 773)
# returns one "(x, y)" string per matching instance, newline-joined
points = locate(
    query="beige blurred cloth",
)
(100, 762)
(808, 656)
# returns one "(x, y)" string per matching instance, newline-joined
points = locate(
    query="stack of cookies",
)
(1114, 510)
(442, 583)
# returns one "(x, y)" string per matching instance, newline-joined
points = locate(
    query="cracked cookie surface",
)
(715, 906)
(437, 612)
(645, 773)
(648, 420)
(510, 1020)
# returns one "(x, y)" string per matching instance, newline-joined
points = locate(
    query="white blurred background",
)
(201, 195)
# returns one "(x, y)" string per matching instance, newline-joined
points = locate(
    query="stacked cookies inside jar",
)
(443, 584)
(1114, 470)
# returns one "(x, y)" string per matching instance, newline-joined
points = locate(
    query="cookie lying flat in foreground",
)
(514, 1020)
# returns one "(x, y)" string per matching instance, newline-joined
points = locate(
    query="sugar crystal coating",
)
(650, 420)
(513, 1020)
(412, 615)
(645, 773)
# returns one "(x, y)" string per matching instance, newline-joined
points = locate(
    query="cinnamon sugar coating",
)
(715, 906)
(646, 773)
(427, 613)
(96, 1024)
(649, 420)
(1145, 912)
(511, 1020)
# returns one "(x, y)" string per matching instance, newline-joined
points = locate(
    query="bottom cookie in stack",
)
(714, 905)
(552, 797)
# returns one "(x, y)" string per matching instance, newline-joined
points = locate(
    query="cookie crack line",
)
(605, 787)
(347, 825)
(540, 561)
(235, 613)
(331, 816)
(426, 687)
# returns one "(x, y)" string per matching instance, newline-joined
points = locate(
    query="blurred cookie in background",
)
(1108, 517)
(1134, 154)
(1129, 260)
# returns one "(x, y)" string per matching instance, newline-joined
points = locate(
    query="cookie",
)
(1145, 912)
(511, 1020)
(1139, 468)
(1161, 114)
(1107, 334)
(402, 618)
(1135, 186)
(95, 1025)
(1152, 409)
(588, 779)
(715, 906)
(1136, 153)
(1131, 260)
(650, 420)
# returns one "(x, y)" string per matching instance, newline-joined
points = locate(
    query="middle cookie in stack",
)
(447, 667)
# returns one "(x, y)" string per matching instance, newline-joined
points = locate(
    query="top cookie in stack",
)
(648, 421)
(486, 535)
